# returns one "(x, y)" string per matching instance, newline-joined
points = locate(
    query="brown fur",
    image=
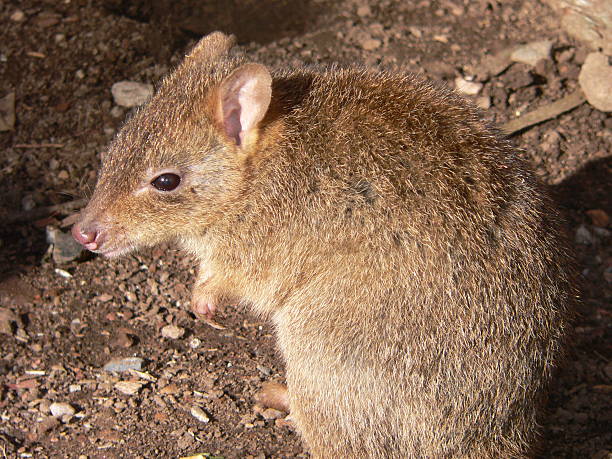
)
(412, 266)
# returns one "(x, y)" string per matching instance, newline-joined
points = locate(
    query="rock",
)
(599, 217)
(588, 21)
(484, 102)
(199, 414)
(105, 297)
(364, 11)
(129, 363)
(370, 44)
(172, 332)
(74, 388)
(532, 53)
(584, 236)
(596, 81)
(17, 16)
(59, 410)
(65, 248)
(270, 413)
(131, 93)
(7, 112)
(129, 387)
(471, 88)
(62, 272)
(28, 203)
(415, 31)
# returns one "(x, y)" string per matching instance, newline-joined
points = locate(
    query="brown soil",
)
(61, 59)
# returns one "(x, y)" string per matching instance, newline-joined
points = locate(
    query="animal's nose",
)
(87, 235)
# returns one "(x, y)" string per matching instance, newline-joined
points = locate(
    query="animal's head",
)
(179, 164)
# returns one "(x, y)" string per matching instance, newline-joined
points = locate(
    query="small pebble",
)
(483, 102)
(199, 414)
(271, 413)
(172, 332)
(59, 409)
(17, 16)
(63, 273)
(596, 81)
(370, 44)
(584, 236)
(129, 387)
(364, 11)
(599, 217)
(65, 248)
(471, 88)
(104, 297)
(415, 31)
(129, 363)
(532, 53)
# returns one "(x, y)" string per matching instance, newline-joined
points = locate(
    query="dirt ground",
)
(192, 393)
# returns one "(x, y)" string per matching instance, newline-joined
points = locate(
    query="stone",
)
(584, 236)
(599, 217)
(65, 248)
(199, 414)
(471, 88)
(370, 44)
(532, 53)
(126, 364)
(172, 332)
(129, 387)
(17, 16)
(59, 409)
(131, 93)
(589, 21)
(364, 11)
(596, 81)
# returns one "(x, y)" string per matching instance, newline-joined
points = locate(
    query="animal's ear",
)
(212, 46)
(242, 101)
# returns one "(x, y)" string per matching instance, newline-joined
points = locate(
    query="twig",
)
(40, 212)
(547, 112)
(39, 145)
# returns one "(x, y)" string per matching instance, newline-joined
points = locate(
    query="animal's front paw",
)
(273, 395)
(204, 304)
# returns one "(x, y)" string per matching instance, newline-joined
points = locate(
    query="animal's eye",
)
(166, 182)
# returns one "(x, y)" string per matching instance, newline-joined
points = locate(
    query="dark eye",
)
(166, 182)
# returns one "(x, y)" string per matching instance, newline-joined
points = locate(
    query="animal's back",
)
(424, 282)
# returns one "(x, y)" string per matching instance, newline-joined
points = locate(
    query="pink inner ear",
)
(245, 96)
(231, 121)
